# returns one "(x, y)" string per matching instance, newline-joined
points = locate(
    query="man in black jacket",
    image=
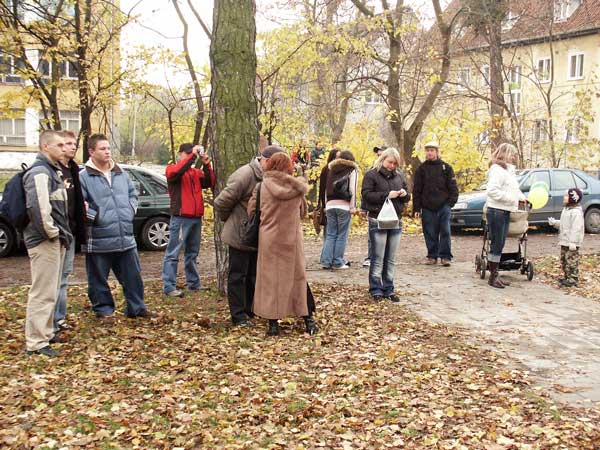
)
(434, 194)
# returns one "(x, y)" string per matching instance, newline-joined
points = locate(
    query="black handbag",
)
(252, 224)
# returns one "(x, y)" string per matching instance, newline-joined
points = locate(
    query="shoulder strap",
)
(257, 205)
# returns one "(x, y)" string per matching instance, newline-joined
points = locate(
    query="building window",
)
(371, 98)
(514, 78)
(540, 130)
(10, 68)
(12, 129)
(544, 68)
(513, 101)
(576, 66)
(464, 78)
(563, 9)
(572, 131)
(69, 120)
(510, 20)
(68, 71)
(485, 74)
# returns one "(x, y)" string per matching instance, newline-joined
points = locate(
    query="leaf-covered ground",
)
(375, 377)
(589, 275)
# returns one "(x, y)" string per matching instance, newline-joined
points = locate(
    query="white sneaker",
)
(175, 293)
(345, 266)
(367, 262)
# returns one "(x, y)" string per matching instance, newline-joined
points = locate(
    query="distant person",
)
(340, 204)
(317, 152)
(231, 206)
(47, 236)
(333, 154)
(384, 181)
(281, 285)
(112, 203)
(76, 211)
(378, 150)
(434, 194)
(570, 237)
(185, 184)
(503, 197)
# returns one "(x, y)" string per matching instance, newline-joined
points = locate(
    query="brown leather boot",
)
(493, 281)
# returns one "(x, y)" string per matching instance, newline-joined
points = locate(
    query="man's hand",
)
(394, 194)
(402, 193)
(87, 206)
(196, 150)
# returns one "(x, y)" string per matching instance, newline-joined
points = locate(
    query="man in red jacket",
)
(187, 208)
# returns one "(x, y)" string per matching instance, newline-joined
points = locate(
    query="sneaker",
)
(60, 338)
(568, 283)
(367, 262)
(145, 314)
(175, 293)
(110, 318)
(46, 351)
(393, 298)
(344, 267)
(326, 267)
(63, 325)
(247, 323)
(430, 261)
(377, 297)
(446, 262)
(196, 289)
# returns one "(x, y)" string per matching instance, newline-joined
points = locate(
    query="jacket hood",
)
(284, 186)
(95, 171)
(342, 164)
(256, 168)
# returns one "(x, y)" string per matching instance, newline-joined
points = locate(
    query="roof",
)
(533, 22)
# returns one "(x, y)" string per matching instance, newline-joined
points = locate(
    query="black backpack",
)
(14, 201)
(341, 187)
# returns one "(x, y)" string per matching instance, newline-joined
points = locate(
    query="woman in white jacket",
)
(503, 197)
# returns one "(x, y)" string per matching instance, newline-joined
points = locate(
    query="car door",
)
(562, 180)
(542, 214)
(146, 204)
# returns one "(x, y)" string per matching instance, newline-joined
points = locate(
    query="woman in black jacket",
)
(384, 181)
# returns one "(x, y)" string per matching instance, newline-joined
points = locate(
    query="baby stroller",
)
(508, 261)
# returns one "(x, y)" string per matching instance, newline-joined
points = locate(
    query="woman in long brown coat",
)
(281, 285)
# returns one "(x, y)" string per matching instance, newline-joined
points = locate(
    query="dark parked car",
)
(151, 223)
(467, 213)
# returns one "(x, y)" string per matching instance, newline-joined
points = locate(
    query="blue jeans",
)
(384, 244)
(436, 229)
(126, 267)
(60, 311)
(336, 237)
(184, 232)
(497, 223)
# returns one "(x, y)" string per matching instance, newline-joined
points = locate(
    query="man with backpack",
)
(435, 193)
(76, 212)
(46, 236)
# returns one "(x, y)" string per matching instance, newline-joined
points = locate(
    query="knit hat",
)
(270, 150)
(575, 196)
(379, 148)
(432, 144)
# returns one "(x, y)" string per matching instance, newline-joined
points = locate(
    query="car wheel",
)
(155, 233)
(8, 240)
(592, 220)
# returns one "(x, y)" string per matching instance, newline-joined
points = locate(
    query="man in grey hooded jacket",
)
(46, 236)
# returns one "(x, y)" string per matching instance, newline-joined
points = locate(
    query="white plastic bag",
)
(387, 219)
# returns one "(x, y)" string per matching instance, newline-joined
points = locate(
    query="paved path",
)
(553, 334)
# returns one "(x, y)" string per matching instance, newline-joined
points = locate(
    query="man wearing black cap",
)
(230, 205)
(187, 208)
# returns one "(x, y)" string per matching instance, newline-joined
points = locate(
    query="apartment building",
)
(551, 50)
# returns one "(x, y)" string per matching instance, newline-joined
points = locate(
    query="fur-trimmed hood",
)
(340, 165)
(284, 186)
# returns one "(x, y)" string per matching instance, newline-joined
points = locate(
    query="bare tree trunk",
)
(83, 11)
(496, 83)
(233, 117)
(193, 76)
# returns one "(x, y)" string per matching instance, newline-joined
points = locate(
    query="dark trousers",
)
(241, 283)
(498, 221)
(436, 229)
(126, 267)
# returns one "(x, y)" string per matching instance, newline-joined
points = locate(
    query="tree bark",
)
(496, 82)
(234, 121)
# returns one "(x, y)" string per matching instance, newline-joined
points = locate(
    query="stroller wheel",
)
(529, 271)
(482, 267)
(477, 263)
